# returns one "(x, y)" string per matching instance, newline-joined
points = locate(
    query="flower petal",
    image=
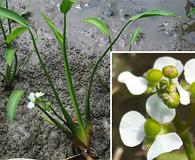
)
(161, 62)
(31, 97)
(184, 95)
(163, 144)
(189, 71)
(158, 110)
(39, 94)
(30, 105)
(136, 85)
(132, 128)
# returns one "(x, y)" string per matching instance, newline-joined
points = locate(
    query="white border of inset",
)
(129, 52)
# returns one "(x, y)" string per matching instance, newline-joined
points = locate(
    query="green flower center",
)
(152, 128)
(154, 75)
(170, 72)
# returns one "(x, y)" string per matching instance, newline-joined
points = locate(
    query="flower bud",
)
(170, 72)
(152, 128)
(192, 89)
(171, 88)
(154, 75)
(171, 99)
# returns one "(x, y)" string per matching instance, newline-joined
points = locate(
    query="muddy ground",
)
(30, 136)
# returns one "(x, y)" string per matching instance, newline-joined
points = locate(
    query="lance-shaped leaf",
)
(191, 12)
(13, 101)
(101, 25)
(66, 6)
(153, 12)
(9, 56)
(6, 13)
(57, 34)
(16, 32)
(134, 36)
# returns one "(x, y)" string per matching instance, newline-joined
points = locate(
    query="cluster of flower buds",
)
(162, 81)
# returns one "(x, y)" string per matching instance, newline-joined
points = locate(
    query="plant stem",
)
(3, 30)
(8, 20)
(58, 124)
(70, 83)
(191, 114)
(88, 91)
(70, 123)
(186, 138)
(110, 42)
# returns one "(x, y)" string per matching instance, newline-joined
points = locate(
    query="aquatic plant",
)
(11, 59)
(79, 131)
(163, 131)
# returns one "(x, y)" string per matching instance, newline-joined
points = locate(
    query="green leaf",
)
(66, 6)
(153, 12)
(9, 56)
(15, 33)
(13, 101)
(191, 12)
(134, 36)
(101, 25)
(6, 13)
(57, 34)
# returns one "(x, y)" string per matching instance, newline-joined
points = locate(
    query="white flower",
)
(189, 73)
(136, 85)
(32, 97)
(156, 108)
(132, 134)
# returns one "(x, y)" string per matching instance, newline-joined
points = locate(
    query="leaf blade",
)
(13, 101)
(134, 36)
(57, 34)
(191, 12)
(16, 32)
(150, 13)
(9, 56)
(6, 13)
(66, 5)
(101, 25)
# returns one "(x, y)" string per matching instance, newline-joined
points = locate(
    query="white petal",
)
(189, 71)
(31, 105)
(161, 62)
(158, 110)
(136, 85)
(163, 144)
(132, 128)
(31, 97)
(184, 95)
(39, 94)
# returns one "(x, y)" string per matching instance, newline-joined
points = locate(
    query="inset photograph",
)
(153, 106)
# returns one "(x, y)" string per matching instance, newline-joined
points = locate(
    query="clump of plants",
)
(163, 130)
(11, 59)
(79, 131)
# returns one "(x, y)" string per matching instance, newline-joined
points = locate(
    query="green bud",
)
(154, 75)
(170, 72)
(171, 88)
(171, 99)
(192, 89)
(152, 128)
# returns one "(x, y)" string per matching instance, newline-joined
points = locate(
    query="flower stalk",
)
(186, 138)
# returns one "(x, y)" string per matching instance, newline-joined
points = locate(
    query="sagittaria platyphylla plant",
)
(164, 131)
